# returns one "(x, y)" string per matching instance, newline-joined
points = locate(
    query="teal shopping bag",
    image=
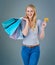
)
(17, 34)
(11, 29)
(11, 25)
(8, 22)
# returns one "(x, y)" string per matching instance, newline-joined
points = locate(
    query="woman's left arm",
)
(42, 34)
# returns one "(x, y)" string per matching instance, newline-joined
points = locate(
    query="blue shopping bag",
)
(13, 28)
(17, 34)
(11, 25)
(8, 22)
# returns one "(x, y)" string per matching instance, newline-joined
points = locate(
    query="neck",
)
(30, 19)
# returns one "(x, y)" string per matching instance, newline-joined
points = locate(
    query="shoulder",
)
(23, 23)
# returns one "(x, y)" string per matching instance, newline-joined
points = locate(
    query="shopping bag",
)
(8, 22)
(13, 28)
(17, 34)
(11, 25)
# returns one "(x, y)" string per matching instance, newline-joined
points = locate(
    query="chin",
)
(30, 17)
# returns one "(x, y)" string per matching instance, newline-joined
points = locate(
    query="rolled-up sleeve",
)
(23, 23)
(39, 24)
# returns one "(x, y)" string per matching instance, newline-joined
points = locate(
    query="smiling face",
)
(29, 12)
(31, 15)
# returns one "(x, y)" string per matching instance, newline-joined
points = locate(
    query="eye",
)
(27, 10)
(31, 10)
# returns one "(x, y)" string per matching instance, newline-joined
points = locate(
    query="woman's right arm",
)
(25, 29)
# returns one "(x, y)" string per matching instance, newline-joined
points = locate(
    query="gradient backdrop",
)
(10, 50)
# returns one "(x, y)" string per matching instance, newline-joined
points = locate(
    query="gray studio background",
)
(10, 50)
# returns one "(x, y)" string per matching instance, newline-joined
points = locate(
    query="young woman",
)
(31, 30)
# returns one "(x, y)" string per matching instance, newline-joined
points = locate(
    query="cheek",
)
(32, 13)
(27, 13)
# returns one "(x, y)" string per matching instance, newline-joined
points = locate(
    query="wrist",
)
(27, 21)
(42, 29)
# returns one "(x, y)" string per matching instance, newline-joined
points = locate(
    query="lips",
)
(30, 15)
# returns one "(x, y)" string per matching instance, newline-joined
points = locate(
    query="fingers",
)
(44, 24)
(24, 18)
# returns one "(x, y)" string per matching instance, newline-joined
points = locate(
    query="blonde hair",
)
(34, 16)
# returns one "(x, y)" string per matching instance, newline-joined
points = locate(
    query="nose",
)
(29, 12)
